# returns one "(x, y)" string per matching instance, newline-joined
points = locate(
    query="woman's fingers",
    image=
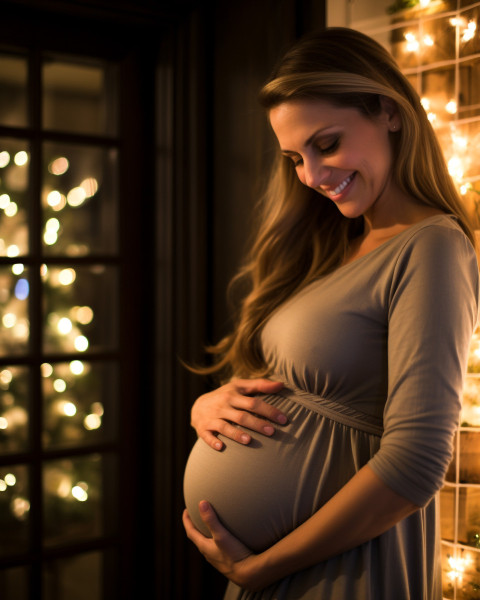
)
(226, 409)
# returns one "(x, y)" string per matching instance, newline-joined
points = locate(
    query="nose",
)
(315, 173)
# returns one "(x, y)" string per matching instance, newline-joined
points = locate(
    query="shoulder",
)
(436, 240)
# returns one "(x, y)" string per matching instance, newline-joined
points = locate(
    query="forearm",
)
(363, 509)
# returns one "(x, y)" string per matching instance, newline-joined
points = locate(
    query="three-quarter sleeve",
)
(433, 302)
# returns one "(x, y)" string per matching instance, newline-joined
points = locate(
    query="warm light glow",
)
(412, 42)
(82, 314)
(97, 408)
(460, 141)
(425, 103)
(81, 343)
(76, 196)
(20, 506)
(77, 367)
(458, 22)
(90, 186)
(67, 276)
(79, 492)
(3, 485)
(458, 566)
(20, 158)
(21, 330)
(64, 326)
(5, 377)
(13, 251)
(59, 385)
(4, 201)
(18, 268)
(59, 166)
(67, 408)
(11, 210)
(455, 168)
(50, 237)
(55, 199)
(92, 422)
(46, 369)
(451, 107)
(3, 423)
(43, 270)
(428, 40)
(64, 487)
(52, 224)
(10, 479)
(464, 188)
(469, 32)
(4, 159)
(424, 3)
(9, 320)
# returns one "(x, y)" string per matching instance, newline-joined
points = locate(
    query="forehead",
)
(300, 118)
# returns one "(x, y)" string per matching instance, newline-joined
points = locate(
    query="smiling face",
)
(340, 152)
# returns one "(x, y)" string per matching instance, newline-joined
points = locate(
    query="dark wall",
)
(223, 146)
(248, 38)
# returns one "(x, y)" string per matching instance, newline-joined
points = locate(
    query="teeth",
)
(342, 186)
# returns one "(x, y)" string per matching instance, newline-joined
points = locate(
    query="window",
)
(66, 506)
(437, 45)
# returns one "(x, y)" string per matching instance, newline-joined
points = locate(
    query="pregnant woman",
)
(318, 464)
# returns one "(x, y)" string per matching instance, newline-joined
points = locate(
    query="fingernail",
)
(282, 419)
(218, 445)
(244, 438)
(203, 506)
(269, 430)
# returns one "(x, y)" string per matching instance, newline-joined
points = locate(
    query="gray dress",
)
(373, 357)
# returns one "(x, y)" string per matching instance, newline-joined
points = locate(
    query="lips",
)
(339, 189)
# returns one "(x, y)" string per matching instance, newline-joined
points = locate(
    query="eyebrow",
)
(309, 141)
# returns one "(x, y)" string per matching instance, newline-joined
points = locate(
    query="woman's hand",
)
(224, 551)
(235, 402)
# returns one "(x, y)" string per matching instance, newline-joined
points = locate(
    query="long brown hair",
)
(300, 235)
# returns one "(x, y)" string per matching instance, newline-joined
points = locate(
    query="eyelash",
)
(323, 151)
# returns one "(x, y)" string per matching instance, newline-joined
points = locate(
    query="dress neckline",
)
(408, 230)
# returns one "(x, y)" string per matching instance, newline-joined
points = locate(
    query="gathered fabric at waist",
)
(340, 413)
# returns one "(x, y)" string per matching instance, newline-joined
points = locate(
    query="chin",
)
(351, 212)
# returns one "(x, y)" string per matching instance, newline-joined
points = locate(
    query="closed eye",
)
(326, 150)
(322, 150)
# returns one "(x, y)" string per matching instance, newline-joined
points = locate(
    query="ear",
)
(390, 112)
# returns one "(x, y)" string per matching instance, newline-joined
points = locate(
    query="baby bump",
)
(264, 490)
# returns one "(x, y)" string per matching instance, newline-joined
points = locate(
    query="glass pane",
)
(14, 510)
(470, 416)
(78, 97)
(439, 90)
(469, 516)
(474, 353)
(73, 491)
(467, 24)
(14, 159)
(74, 578)
(14, 325)
(14, 583)
(13, 409)
(13, 90)
(79, 200)
(470, 88)
(405, 46)
(80, 308)
(79, 399)
(469, 457)
(468, 574)
(447, 513)
(437, 41)
(448, 573)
